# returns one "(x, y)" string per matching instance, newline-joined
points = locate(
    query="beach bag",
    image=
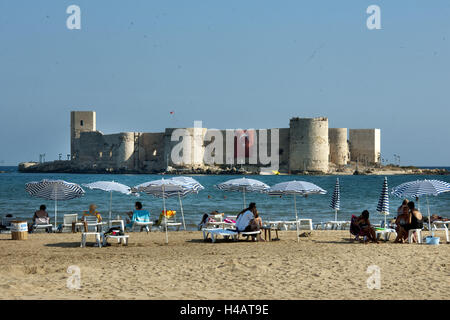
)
(114, 231)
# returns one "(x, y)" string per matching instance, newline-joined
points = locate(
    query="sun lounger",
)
(441, 226)
(142, 221)
(226, 233)
(47, 227)
(304, 224)
(170, 220)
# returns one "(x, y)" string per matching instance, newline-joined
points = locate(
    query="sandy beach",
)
(325, 265)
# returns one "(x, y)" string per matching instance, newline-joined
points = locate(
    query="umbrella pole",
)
(244, 197)
(296, 217)
(56, 211)
(165, 217)
(110, 207)
(182, 213)
(429, 218)
(335, 214)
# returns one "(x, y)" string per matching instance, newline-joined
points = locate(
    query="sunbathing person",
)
(92, 212)
(40, 217)
(136, 215)
(415, 220)
(401, 223)
(366, 228)
(244, 217)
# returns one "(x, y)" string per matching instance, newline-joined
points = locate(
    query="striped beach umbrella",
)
(167, 188)
(243, 185)
(162, 188)
(109, 186)
(336, 199)
(56, 190)
(302, 188)
(418, 188)
(383, 202)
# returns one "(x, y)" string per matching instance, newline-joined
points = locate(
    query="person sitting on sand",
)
(92, 213)
(415, 220)
(401, 222)
(366, 228)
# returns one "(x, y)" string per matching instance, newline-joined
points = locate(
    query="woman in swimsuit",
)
(415, 220)
(365, 226)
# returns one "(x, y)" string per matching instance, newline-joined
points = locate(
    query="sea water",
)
(357, 194)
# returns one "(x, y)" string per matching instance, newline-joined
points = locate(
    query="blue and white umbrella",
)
(162, 188)
(383, 202)
(190, 186)
(109, 186)
(54, 190)
(336, 199)
(166, 188)
(243, 185)
(302, 188)
(418, 188)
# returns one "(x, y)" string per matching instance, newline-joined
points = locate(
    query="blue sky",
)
(231, 64)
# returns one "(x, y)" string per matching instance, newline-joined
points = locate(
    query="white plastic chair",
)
(68, 220)
(411, 233)
(444, 228)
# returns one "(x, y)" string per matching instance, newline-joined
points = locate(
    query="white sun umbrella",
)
(163, 188)
(415, 189)
(109, 186)
(383, 202)
(302, 188)
(243, 185)
(189, 185)
(54, 190)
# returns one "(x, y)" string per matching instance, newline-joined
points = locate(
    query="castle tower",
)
(339, 153)
(308, 146)
(80, 121)
(365, 145)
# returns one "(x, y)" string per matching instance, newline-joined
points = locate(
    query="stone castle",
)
(308, 145)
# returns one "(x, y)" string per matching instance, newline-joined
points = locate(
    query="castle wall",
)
(308, 148)
(365, 145)
(188, 150)
(339, 152)
(106, 151)
(151, 152)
